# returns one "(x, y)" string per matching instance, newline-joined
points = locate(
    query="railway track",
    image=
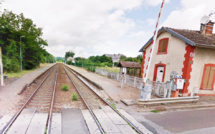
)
(35, 107)
(47, 109)
(94, 103)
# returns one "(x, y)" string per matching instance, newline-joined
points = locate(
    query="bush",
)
(64, 87)
(11, 65)
(75, 96)
(69, 62)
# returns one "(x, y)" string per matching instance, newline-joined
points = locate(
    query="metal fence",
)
(128, 80)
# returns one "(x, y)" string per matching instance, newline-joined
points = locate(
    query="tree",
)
(138, 59)
(122, 57)
(12, 27)
(69, 54)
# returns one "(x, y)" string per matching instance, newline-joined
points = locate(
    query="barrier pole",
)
(153, 44)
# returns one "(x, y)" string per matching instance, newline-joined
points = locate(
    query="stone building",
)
(188, 52)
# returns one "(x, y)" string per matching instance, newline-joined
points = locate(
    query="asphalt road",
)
(180, 122)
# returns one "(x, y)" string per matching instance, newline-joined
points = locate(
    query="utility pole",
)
(1, 64)
(21, 53)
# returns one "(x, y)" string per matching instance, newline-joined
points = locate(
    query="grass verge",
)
(19, 74)
(155, 111)
(24, 72)
(110, 69)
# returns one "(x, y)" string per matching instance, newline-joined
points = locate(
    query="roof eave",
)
(205, 46)
(141, 50)
(173, 33)
(180, 37)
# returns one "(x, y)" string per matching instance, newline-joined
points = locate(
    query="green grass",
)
(113, 105)
(19, 74)
(24, 72)
(155, 111)
(64, 87)
(110, 69)
(75, 96)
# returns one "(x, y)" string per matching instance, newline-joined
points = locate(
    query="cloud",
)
(189, 16)
(155, 2)
(151, 21)
(87, 27)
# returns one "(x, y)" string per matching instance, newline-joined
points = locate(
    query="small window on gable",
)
(163, 44)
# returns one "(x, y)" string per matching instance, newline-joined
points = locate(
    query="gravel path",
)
(9, 93)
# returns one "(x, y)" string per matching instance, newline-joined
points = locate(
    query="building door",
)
(160, 73)
(208, 76)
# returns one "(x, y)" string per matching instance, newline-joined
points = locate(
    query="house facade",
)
(115, 57)
(190, 53)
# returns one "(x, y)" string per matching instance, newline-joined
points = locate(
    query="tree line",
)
(138, 59)
(18, 32)
(100, 61)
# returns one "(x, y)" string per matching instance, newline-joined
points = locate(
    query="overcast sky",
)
(96, 27)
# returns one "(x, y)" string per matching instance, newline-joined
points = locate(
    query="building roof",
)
(191, 37)
(129, 64)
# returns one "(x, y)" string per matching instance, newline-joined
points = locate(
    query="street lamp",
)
(21, 53)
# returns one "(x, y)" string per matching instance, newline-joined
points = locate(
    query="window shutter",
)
(163, 45)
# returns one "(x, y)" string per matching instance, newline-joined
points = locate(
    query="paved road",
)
(180, 122)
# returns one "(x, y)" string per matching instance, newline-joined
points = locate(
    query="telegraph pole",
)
(1, 64)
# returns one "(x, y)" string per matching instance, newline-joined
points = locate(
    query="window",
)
(208, 78)
(162, 47)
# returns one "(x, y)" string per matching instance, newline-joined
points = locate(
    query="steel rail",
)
(91, 112)
(4, 130)
(52, 103)
(129, 122)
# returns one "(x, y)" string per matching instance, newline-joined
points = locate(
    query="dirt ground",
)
(8, 81)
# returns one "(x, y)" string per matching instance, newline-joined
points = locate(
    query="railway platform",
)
(111, 87)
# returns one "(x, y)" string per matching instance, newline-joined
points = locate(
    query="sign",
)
(178, 76)
(180, 83)
(124, 70)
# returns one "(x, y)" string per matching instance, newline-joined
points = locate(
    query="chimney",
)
(207, 29)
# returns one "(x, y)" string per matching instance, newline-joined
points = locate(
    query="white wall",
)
(202, 56)
(173, 59)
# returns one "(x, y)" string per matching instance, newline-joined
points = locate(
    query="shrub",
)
(155, 111)
(69, 62)
(11, 65)
(64, 87)
(75, 96)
